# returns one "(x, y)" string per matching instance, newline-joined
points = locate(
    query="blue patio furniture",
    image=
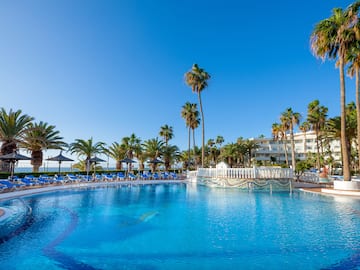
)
(120, 176)
(72, 178)
(11, 185)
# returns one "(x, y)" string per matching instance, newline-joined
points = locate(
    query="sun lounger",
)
(108, 177)
(173, 175)
(85, 178)
(2, 187)
(120, 176)
(32, 179)
(72, 178)
(44, 180)
(11, 185)
(59, 179)
(27, 182)
(132, 176)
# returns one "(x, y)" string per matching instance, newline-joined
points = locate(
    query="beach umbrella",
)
(127, 161)
(60, 158)
(95, 160)
(155, 161)
(12, 159)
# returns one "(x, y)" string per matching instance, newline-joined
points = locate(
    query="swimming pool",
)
(178, 226)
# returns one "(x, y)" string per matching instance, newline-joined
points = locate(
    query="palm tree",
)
(170, 154)
(316, 116)
(153, 148)
(276, 133)
(212, 150)
(249, 146)
(117, 152)
(140, 155)
(86, 148)
(305, 127)
(219, 140)
(353, 57)
(230, 153)
(38, 137)
(284, 128)
(131, 144)
(191, 116)
(185, 114)
(197, 79)
(13, 125)
(333, 126)
(167, 133)
(194, 124)
(332, 39)
(290, 119)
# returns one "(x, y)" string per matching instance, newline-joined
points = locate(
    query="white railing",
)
(246, 173)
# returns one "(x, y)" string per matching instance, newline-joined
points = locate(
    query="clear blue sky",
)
(106, 69)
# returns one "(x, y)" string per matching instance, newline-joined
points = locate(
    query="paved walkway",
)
(331, 191)
(43, 189)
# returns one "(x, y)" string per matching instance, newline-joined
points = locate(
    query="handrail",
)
(244, 173)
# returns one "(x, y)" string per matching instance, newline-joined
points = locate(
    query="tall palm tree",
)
(316, 116)
(194, 123)
(186, 115)
(86, 148)
(197, 79)
(305, 127)
(13, 125)
(332, 38)
(38, 137)
(190, 114)
(291, 119)
(284, 128)
(167, 133)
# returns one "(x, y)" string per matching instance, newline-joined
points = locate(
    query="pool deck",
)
(49, 188)
(331, 191)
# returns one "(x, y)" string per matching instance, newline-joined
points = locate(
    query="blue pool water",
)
(179, 226)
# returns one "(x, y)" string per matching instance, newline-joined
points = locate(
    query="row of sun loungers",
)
(29, 181)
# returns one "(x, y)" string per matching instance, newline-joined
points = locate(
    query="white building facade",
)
(270, 150)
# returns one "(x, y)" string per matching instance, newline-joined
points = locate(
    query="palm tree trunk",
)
(118, 165)
(358, 111)
(194, 150)
(203, 131)
(286, 153)
(317, 149)
(36, 160)
(189, 155)
(293, 162)
(345, 150)
(7, 147)
(305, 154)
